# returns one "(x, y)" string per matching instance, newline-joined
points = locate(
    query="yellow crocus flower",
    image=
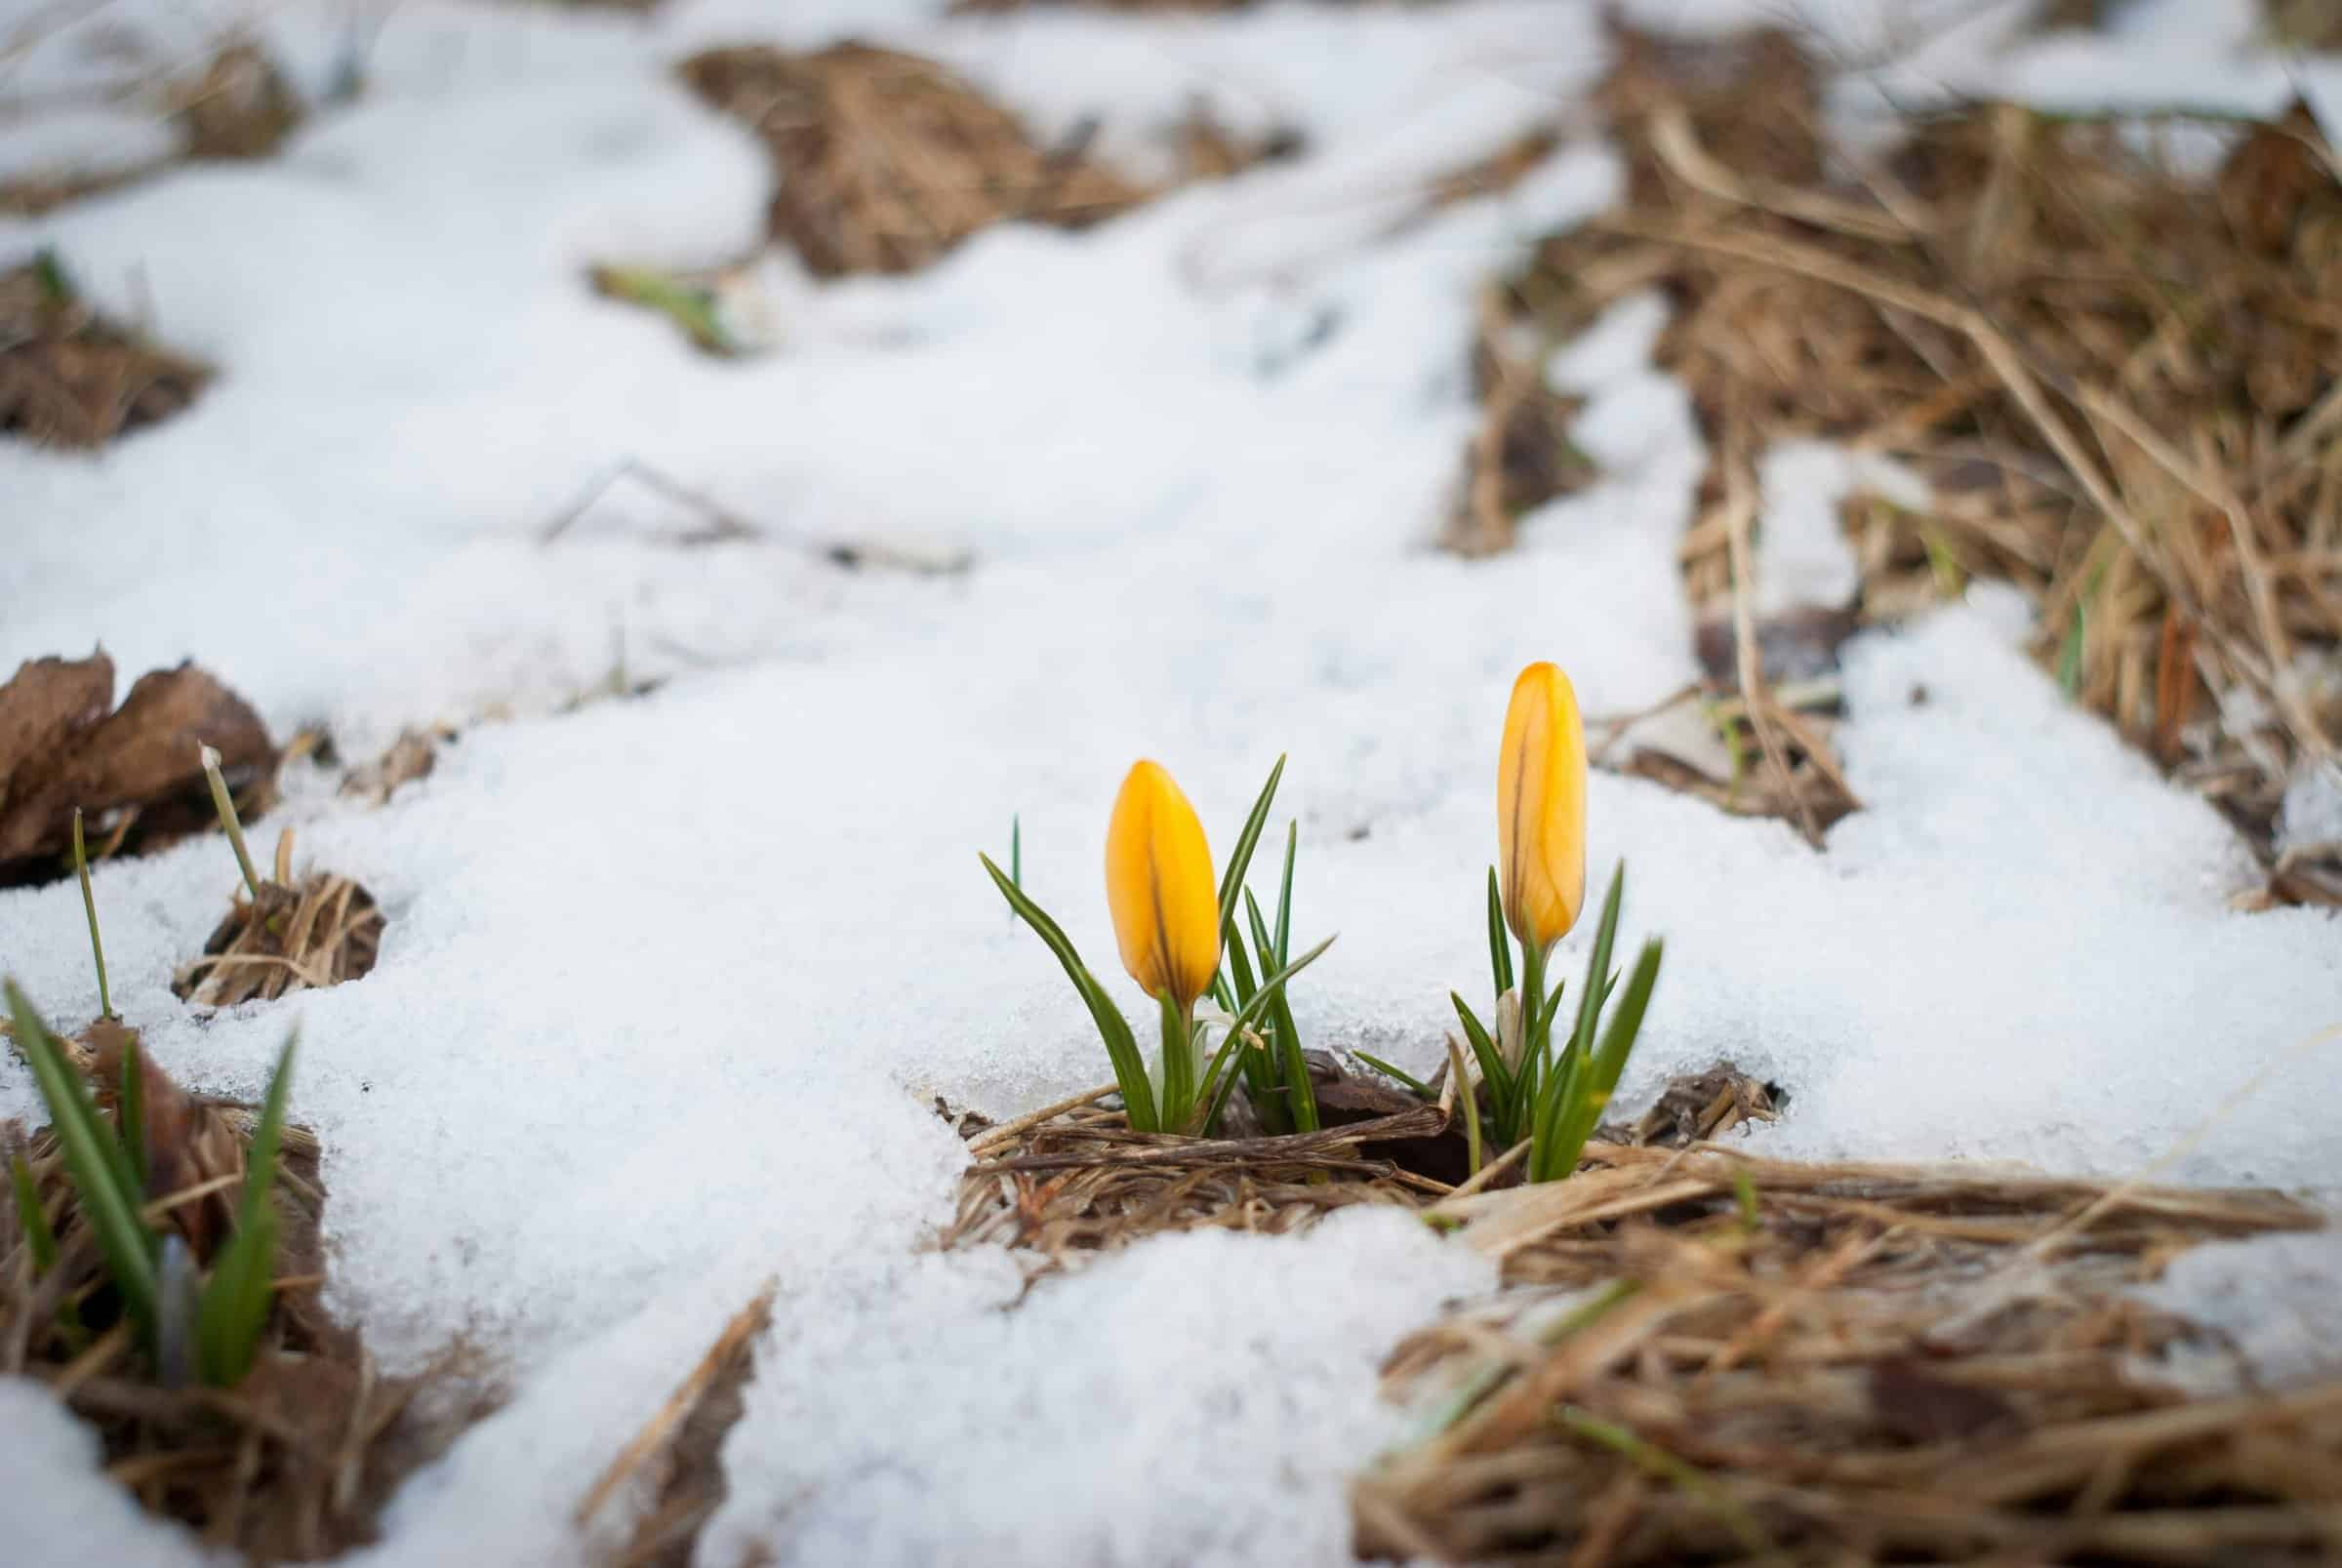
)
(1159, 888)
(1541, 807)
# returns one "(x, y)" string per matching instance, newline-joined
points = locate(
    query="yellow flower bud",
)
(1541, 807)
(1159, 888)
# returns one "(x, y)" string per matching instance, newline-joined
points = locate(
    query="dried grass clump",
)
(289, 937)
(1072, 1179)
(68, 377)
(2120, 384)
(885, 161)
(1702, 1357)
(293, 1463)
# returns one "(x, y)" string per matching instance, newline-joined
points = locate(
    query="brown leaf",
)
(143, 756)
(45, 706)
(188, 1142)
(411, 756)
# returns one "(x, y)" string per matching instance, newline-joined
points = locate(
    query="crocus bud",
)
(1541, 807)
(1159, 886)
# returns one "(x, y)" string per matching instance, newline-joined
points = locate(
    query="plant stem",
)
(89, 906)
(1534, 1040)
(1179, 1065)
(225, 804)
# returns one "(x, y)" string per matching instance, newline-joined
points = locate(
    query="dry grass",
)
(293, 1463)
(320, 932)
(887, 161)
(68, 377)
(2119, 385)
(1073, 1180)
(1706, 1359)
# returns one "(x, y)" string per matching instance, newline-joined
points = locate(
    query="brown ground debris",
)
(886, 161)
(68, 377)
(132, 771)
(1706, 1358)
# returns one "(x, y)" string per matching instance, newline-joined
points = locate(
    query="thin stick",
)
(1740, 506)
(745, 1323)
(89, 905)
(227, 807)
(1009, 1129)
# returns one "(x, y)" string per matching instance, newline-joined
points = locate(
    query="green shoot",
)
(1121, 1047)
(1016, 850)
(110, 1198)
(1554, 1093)
(226, 805)
(89, 906)
(234, 1306)
(154, 1275)
(32, 1218)
(1412, 1084)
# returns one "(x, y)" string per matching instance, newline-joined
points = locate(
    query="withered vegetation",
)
(293, 1462)
(132, 771)
(1072, 1179)
(71, 378)
(886, 161)
(291, 936)
(2118, 381)
(1706, 1359)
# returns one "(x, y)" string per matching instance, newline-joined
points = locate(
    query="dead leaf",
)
(60, 750)
(411, 756)
(189, 1143)
(43, 710)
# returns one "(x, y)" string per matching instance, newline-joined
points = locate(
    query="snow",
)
(81, 143)
(1804, 557)
(669, 984)
(59, 1507)
(2266, 1307)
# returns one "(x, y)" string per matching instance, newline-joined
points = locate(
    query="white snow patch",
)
(1804, 556)
(2268, 1303)
(56, 1504)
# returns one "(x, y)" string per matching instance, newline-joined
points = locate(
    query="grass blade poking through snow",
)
(234, 1305)
(95, 1159)
(1121, 1047)
(89, 906)
(225, 804)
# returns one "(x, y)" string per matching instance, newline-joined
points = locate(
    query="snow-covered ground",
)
(668, 984)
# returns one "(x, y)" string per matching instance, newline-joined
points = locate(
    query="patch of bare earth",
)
(2117, 381)
(1701, 1358)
